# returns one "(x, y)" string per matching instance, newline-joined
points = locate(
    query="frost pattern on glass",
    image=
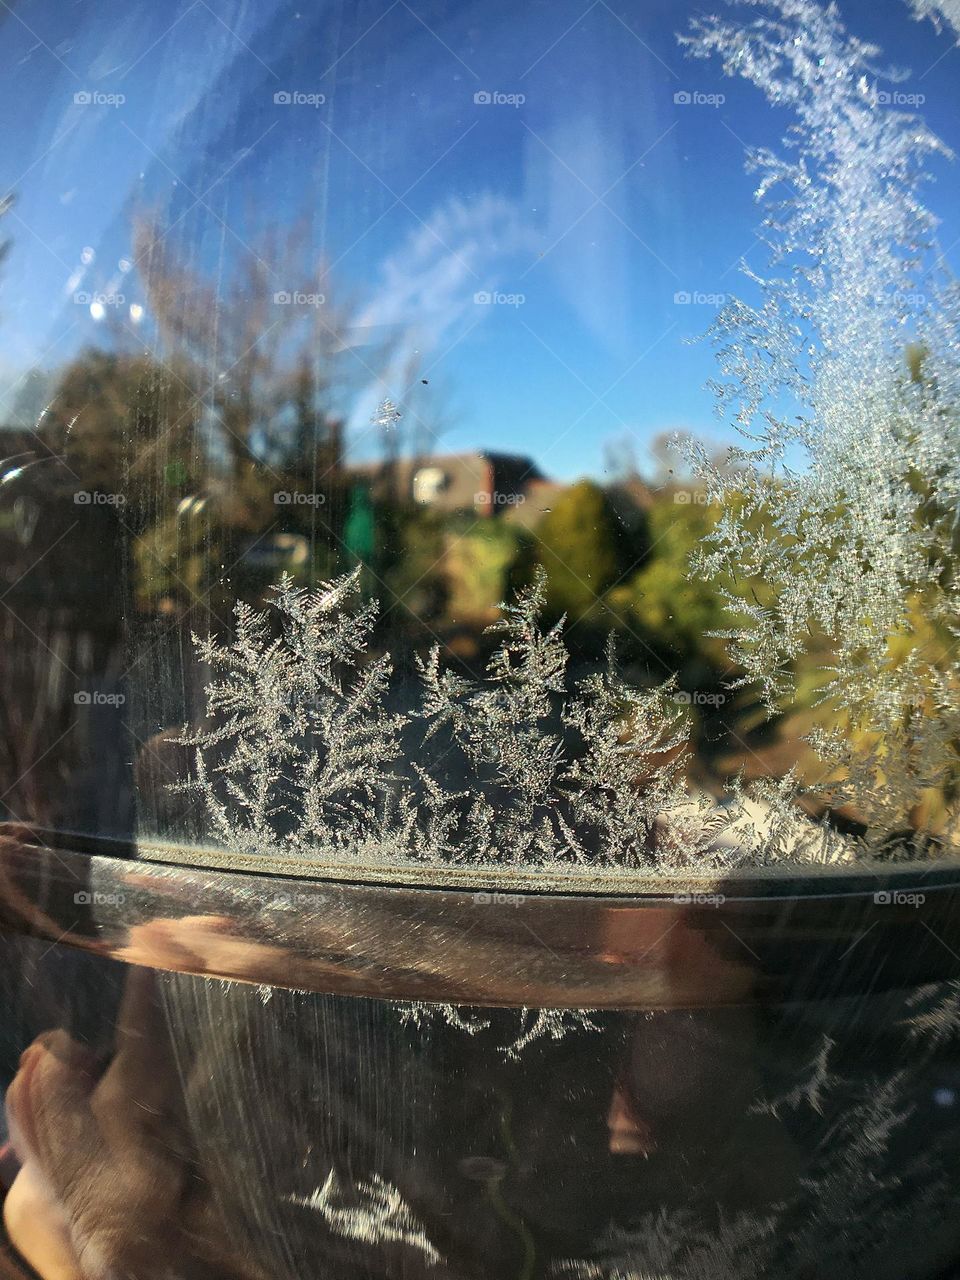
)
(300, 755)
(938, 1020)
(549, 1024)
(855, 1195)
(420, 1014)
(532, 1024)
(673, 1245)
(843, 376)
(815, 1081)
(372, 1212)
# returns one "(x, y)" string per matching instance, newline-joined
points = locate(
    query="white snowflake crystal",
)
(386, 416)
(532, 1024)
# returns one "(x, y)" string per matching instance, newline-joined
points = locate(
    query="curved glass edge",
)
(488, 947)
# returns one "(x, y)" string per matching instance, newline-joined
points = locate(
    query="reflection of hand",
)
(38, 1227)
(107, 1188)
(204, 944)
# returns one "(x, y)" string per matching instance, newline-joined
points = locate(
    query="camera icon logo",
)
(682, 298)
(83, 98)
(883, 897)
(82, 498)
(282, 298)
(283, 498)
(483, 98)
(82, 898)
(681, 497)
(883, 98)
(483, 298)
(683, 98)
(283, 98)
(82, 698)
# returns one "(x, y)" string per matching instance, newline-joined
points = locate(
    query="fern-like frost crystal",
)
(301, 756)
(843, 376)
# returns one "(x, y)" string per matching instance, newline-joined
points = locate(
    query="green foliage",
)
(585, 550)
(121, 419)
(673, 610)
(411, 548)
(480, 560)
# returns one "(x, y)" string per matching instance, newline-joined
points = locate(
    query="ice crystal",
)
(853, 1201)
(532, 1024)
(553, 1024)
(299, 754)
(301, 738)
(419, 1014)
(673, 1245)
(767, 827)
(854, 1182)
(386, 416)
(373, 1212)
(843, 376)
(815, 1081)
(939, 1021)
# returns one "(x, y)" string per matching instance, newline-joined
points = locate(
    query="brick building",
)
(482, 482)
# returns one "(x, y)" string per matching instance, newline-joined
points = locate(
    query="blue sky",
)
(596, 199)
